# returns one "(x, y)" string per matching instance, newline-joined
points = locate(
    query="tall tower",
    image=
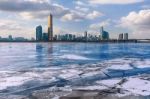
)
(39, 33)
(50, 27)
(85, 36)
(125, 36)
(101, 32)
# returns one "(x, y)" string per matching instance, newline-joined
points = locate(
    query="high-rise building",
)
(120, 36)
(10, 37)
(125, 36)
(50, 27)
(101, 30)
(45, 36)
(85, 35)
(104, 34)
(39, 33)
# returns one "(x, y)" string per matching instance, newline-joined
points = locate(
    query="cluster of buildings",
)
(40, 36)
(48, 37)
(10, 38)
(123, 36)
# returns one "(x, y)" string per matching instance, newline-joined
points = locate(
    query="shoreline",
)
(101, 41)
(111, 41)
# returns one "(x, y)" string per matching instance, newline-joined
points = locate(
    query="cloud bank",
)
(138, 22)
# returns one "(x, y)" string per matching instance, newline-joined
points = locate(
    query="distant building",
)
(86, 36)
(50, 27)
(120, 36)
(126, 36)
(20, 39)
(10, 38)
(45, 36)
(32, 39)
(39, 33)
(104, 34)
(55, 38)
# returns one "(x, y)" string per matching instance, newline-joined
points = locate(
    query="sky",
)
(19, 18)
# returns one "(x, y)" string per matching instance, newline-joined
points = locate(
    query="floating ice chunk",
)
(120, 67)
(92, 73)
(143, 66)
(74, 57)
(94, 87)
(137, 86)
(109, 82)
(70, 73)
(12, 81)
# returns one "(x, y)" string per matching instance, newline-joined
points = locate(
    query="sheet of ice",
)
(18, 78)
(70, 73)
(109, 82)
(92, 73)
(94, 87)
(120, 60)
(137, 86)
(74, 57)
(120, 67)
(12, 81)
(143, 64)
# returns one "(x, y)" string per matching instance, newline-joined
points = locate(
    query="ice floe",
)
(137, 86)
(12, 81)
(99, 74)
(74, 57)
(90, 88)
(109, 82)
(120, 67)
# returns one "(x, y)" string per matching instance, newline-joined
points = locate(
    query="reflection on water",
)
(28, 55)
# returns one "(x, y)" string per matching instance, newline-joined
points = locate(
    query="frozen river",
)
(30, 55)
(31, 66)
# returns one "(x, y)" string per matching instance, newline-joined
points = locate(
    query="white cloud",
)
(139, 22)
(79, 3)
(73, 16)
(82, 9)
(29, 9)
(115, 1)
(39, 9)
(98, 25)
(78, 16)
(12, 27)
(94, 15)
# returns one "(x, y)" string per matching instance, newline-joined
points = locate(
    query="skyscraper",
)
(104, 34)
(45, 36)
(120, 36)
(101, 30)
(125, 36)
(50, 27)
(85, 36)
(39, 33)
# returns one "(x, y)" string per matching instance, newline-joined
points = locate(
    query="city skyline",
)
(75, 17)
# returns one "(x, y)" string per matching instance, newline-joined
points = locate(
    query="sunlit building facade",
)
(50, 27)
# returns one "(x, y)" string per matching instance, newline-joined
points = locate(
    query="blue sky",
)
(20, 17)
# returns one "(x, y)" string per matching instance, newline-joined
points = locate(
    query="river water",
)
(27, 65)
